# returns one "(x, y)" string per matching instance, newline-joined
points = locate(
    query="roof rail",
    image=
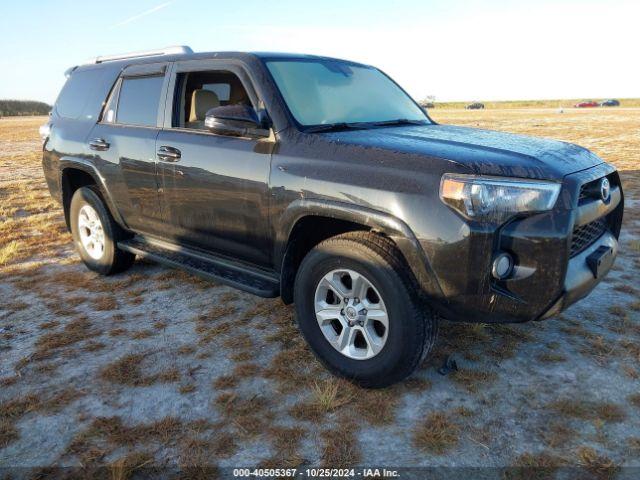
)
(174, 50)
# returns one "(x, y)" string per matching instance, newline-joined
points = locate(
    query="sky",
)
(451, 49)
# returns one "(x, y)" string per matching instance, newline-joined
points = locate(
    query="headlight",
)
(496, 199)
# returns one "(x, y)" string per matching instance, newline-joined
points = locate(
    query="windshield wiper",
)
(339, 126)
(398, 121)
(336, 127)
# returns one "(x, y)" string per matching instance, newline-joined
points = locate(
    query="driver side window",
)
(198, 92)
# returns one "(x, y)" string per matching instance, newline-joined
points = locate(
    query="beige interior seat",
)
(201, 102)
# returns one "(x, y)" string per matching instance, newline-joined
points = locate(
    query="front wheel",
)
(358, 309)
(96, 234)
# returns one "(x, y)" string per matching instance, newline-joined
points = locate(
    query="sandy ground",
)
(155, 368)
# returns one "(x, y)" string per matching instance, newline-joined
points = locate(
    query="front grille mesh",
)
(585, 235)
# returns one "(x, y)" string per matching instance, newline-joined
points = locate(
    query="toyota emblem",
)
(605, 189)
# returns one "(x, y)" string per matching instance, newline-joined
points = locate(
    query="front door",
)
(215, 187)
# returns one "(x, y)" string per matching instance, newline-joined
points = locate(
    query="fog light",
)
(502, 266)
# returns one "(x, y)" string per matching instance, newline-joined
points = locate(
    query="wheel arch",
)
(76, 173)
(307, 222)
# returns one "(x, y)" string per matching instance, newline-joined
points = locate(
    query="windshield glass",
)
(321, 92)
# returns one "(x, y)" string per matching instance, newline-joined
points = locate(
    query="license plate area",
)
(600, 261)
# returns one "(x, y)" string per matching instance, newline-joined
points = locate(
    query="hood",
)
(484, 152)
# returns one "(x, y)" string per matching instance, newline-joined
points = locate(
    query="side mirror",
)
(237, 120)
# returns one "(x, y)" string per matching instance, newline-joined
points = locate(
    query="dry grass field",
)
(157, 369)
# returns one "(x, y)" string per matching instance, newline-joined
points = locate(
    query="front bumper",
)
(580, 278)
(550, 251)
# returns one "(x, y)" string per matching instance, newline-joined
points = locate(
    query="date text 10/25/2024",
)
(316, 472)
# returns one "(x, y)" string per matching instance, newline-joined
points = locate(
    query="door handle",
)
(99, 144)
(169, 154)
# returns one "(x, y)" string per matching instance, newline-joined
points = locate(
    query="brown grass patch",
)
(472, 380)
(599, 465)
(539, 466)
(340, 447)
(75, 331)
(436, 434)
(286, 443)
(8, 432)
(128, 371)
(196, 457)
(634, 445)
(557, 434)
(113, 430)
(48, 325)
(105, 303)
(326, 397)
(246, 370)
(551, 357)
(125, 467)
(12, 410)
(224, 382)
(634, 399)
(290, 375)
(599, 347)
(142, 334)
(416, 384)
(187, 388)
(632, 348)
(588, 410)
(618, 311)
(249, 415)
(8, 381)
(187, 350)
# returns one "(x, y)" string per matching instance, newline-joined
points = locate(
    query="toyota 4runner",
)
(323, 182)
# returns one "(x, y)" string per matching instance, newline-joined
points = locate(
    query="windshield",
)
(325, 92)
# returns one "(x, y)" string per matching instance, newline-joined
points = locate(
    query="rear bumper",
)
(580, 280)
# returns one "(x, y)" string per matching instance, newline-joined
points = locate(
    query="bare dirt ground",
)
(155, 368)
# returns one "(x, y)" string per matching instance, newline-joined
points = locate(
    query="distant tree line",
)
(10, 108)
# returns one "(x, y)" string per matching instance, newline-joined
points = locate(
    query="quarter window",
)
(79, 96)
(139, 100)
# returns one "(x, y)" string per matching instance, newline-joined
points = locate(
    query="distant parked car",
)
(610, 103)
(588, 104)
(475, 106)
(427, 105)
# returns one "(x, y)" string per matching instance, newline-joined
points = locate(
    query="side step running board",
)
(207, 266)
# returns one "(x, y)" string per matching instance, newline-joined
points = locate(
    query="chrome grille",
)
(585, 235)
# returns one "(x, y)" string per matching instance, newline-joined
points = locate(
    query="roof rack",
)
(174, 50)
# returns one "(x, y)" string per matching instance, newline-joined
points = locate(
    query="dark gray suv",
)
(321, 181)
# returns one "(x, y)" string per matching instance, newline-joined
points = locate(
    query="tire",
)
(88, 208)
(349, 261)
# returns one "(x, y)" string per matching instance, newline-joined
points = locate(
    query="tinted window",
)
(223, 90)
(139, 100)
(81, 94)
(109, 114)
(208, 89)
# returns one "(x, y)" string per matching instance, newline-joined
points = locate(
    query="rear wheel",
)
(358, 308)
(96, 234)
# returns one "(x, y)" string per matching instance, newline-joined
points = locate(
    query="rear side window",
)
(139, 100)
(82, 95)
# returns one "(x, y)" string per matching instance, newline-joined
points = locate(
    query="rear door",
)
(123, 145)
(216, 192)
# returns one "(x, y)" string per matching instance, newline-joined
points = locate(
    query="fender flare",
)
(90, 169)
(382, 222)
